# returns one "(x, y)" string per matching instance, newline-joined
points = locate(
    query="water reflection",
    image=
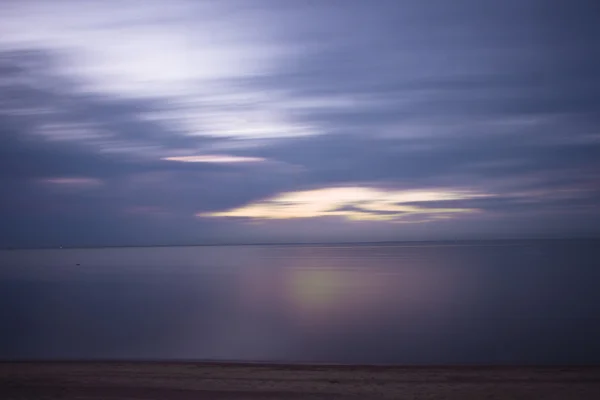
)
(523, 303)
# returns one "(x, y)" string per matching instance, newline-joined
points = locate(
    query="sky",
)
(263, 121)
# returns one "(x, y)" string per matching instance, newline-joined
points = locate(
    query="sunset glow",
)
(353, 203)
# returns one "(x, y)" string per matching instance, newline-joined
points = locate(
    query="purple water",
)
(519, 302)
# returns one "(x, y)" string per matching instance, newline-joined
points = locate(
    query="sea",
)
(519, 302)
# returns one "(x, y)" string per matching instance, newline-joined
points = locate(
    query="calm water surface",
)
(497, 302)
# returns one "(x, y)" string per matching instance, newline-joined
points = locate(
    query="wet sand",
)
(182, 381)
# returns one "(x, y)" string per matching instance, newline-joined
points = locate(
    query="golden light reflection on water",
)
(313, 296)
(330, 296)
(314, 290)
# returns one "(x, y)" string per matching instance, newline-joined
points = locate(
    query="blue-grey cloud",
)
(496, 98)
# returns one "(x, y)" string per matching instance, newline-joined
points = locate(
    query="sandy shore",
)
(178, 381)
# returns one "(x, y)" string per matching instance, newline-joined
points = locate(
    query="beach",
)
(189, 380)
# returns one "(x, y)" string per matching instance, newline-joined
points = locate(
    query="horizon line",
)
(344, 243)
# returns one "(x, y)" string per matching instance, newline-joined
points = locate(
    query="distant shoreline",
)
(228, 381)
(293, 364)
(402, 243)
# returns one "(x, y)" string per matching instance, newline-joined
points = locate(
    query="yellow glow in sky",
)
(352, 203)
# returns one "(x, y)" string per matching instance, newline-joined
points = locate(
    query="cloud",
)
(122, 164)
(353, 203)
(213, 109)
(73, 182)
(188, 54)
(214, 158)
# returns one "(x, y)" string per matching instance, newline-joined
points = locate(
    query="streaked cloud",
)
(214, 158)
(193, 54)
(73, 181)
(299, 117)
(353, 203)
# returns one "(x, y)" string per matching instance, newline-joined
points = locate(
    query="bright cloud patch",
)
(214, 158)
(353, 203)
